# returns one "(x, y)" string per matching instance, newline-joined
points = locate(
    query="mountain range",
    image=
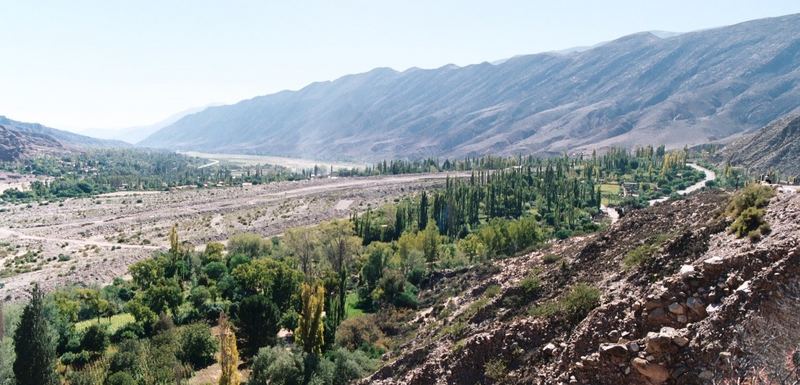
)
(690, 88)
(19, 139)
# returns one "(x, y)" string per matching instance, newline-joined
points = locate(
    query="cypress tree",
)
(34, 346)
(423, 211)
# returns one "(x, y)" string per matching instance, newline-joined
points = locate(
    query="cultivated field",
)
(93, 240)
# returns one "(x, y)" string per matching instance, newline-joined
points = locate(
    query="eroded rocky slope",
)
(701, 308)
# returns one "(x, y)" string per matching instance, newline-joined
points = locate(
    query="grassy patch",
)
(580, 300)
(114, 322)
(643, 253)
(550, 259)
(491, 291)
(351, 306)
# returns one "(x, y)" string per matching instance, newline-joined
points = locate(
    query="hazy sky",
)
(77, 64)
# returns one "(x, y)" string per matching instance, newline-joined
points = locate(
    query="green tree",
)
(34, 346)
(304, 244)
(259, 321)
(339, 245)
(95, 339)
(268, 277)
(430, 245)
(198, 346)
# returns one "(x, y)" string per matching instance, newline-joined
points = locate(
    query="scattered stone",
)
(656, 373)
(613, 352)
(687, 271)
(695, 305)
(676, 308)
(706, 375)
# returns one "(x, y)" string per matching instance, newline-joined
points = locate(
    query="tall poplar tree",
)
(228, 354)
(310, 329)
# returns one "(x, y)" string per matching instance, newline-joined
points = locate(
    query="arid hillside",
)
(664, 296)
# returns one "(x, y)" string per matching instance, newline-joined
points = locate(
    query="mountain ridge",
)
(692, 88)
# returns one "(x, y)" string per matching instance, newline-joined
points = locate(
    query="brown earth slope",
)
(703, 306)
(776, 147)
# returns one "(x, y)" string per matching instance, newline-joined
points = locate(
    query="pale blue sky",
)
(110, 63)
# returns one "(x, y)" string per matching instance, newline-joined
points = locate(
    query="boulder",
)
(696, 306)
(655, 373)
(616, 353)
(676, 308)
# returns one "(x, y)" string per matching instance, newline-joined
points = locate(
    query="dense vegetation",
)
(321, 304)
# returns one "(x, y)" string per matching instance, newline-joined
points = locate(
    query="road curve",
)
(709, 176)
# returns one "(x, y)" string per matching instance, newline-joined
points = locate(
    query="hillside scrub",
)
(747, 210)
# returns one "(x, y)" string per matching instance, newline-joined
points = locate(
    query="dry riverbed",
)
(91, 241)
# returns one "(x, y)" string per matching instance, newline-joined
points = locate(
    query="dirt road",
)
(709, 176)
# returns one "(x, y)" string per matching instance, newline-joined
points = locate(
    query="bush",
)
(550, 259)
(580, 301)
(750, 222)
(349, 366)
(277, 365)
(120, 378)
(359, 332)
(747, 210)
(198, 346)
(753, 195)
(127, 358)
(639, 255)
(95, 339)
(530, 285)
(251, 245)
(495, 370)
(77, 360)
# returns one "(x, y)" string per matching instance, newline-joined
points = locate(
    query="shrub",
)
(349, 366)
(251, 245)
(277, 365)
(639, 255)
(550, 259)
(495, 370)
(95, 339)
(358, 332)
(198, 346)
(530, 285)
(120, 378)
(580, 301)
(750, 222)
(747, 210)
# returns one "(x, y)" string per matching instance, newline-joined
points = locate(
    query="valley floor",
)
(93, 240)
